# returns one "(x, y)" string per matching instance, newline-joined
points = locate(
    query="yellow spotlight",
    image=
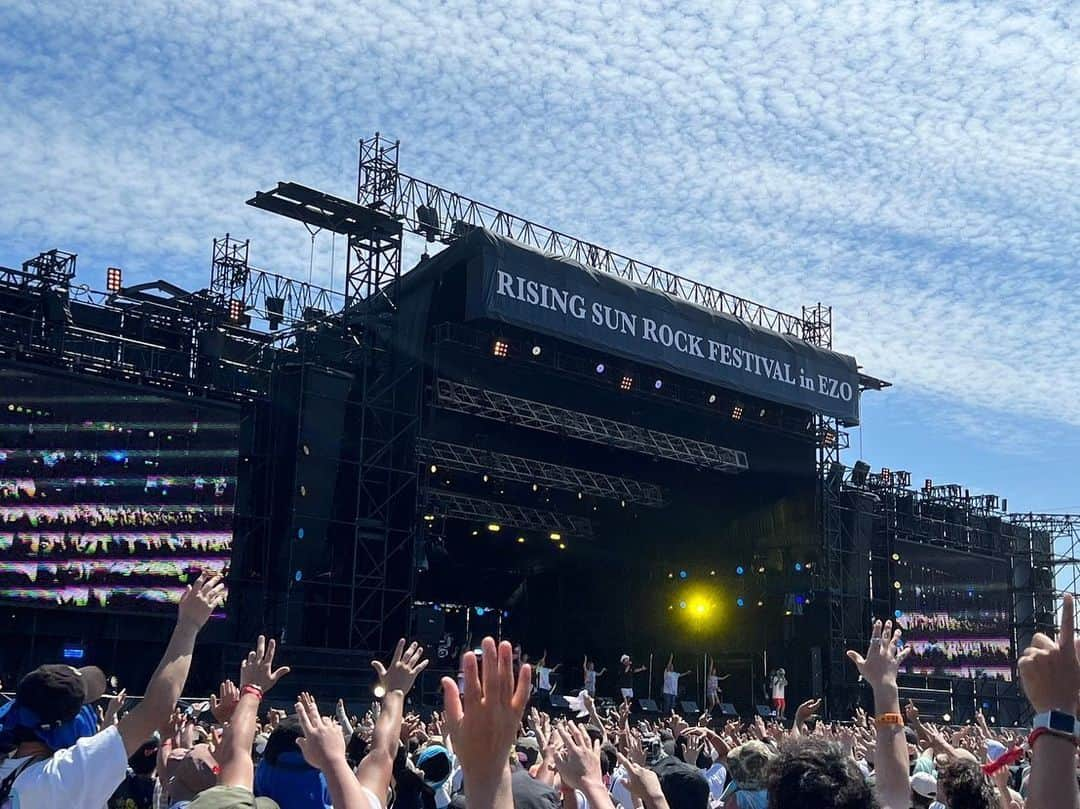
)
(494, 527)
(562, 546)
(555, 536)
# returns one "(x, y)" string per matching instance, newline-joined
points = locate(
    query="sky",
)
(914, 164)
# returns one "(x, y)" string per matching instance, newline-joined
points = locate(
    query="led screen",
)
(110, 496)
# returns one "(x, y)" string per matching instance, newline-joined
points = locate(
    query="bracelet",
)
(1035, 734)
(252, 689)
(893, 719)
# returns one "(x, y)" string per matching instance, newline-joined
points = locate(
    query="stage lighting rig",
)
(114, 279)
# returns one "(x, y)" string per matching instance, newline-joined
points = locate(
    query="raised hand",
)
(405, 667)
(258, 668)
(112, 711)
(642, 782)
(806, 710)
(1049, 670)
(578, 762)
(322, 743)
(485, 722)
(201, 599)
(224, 703)
(883, 657)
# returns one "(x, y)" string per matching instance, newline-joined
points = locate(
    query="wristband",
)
(893, 719)
(252, 689)
(1035, 734)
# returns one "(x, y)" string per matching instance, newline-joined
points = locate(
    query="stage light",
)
(798, 567)
(898, 613)
(807, 565)
(236, 310)
(699, 609)
(736, 412)
(712, 398)
(434, 469)
(74, 652)
(993, 720)
(896, 585)
(622, 503)
(761, 569)
(580, 495)
(429, 518)
(486, 477)
(896, 557)
(712, 572)
(800, 600)
(555, 536)
(500, 349)
(671, 575)
(537, 351)
(494, 528)
(739, 570)
(114, 279)
(682, 574)
(378, 692)
(626, 383)
(600, 368)
(480, 610)
(761, 603)
(682, 605)
(562, 546)
(946, 717)
(659, 383)
(739, 602)
(476, 533)
(521, 540)
(761, 414)
(536, 487)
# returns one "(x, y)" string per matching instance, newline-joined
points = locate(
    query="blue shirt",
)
(292, 782)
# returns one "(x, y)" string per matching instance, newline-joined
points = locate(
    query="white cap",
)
(624, 659)
(924, 784)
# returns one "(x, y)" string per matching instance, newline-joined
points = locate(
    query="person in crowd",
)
(671, 684)
(58, 758)
(590, 676)
(626, 677)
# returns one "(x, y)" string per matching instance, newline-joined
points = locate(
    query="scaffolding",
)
(531, 470)
(503, 407)
(441, 503)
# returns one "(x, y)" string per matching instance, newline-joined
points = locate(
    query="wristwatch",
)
(1058, 723)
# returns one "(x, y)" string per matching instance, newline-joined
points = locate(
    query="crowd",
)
(487, 751)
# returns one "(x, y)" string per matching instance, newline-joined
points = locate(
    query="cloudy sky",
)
(915, 164)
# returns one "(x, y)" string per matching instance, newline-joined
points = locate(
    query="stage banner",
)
(559, 297)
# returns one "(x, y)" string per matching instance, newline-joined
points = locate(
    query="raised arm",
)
(257, 676)
(1050, 674)
(396, 681)
(323, 747)
(879, 668)
(167, 682)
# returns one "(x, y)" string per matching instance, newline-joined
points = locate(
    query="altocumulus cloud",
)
(914, 164)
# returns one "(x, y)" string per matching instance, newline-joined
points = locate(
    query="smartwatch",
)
(1058, 723)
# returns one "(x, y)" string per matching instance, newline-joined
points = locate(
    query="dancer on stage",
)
(590, 676)
(778, 686)
(712, 687)
(544, 685)
(671, 684)
(626, 677)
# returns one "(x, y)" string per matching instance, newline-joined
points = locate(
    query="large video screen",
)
(954, 611)
(110, 496)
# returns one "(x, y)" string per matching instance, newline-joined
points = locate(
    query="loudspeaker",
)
(56, 306)
(727, 710)
(689, 707)
(765, 711)
(428, 625)
(648, 706)
(558, 701)
(859, 473)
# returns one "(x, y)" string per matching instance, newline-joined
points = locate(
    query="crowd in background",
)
(488, 749)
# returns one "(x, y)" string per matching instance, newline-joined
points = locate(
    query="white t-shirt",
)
(671, 682)
(84, 775)
(716, 775)
(543, 678)
(778, 687)
(619, 791)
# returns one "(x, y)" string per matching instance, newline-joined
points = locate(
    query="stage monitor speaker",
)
(859, 473)
(648, 706)
(764, 711)
(688, 706)
(558, 702)
(727, 710)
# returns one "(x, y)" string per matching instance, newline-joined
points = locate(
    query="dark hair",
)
(815, 774)
(962, 785)
(683, 786)
(608, 759)
(356, 748)
(144, 760)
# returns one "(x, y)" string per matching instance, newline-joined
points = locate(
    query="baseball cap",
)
(190, 773)
(434, 763)
(528, 747)
(231, 798)
(924, 785)
(56, 693)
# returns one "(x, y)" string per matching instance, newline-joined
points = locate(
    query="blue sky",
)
(915, 164)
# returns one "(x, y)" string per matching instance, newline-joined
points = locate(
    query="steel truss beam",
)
(531, 470)
(503, 407)
(447, 504)
(442, 215)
